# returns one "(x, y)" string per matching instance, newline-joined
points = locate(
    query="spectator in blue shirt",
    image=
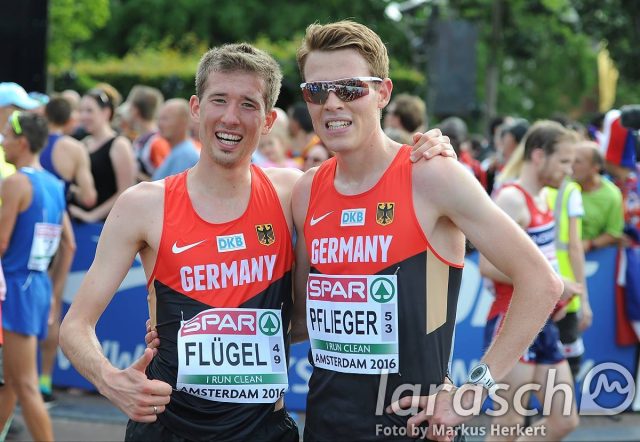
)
(173, 125)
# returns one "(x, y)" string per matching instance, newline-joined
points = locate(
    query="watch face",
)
(477, 373)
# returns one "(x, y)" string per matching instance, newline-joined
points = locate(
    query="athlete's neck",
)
(55, 129)
(28, 160)
(529, 180)
(144, 127)
(218, 194)
(222, 182)
(180, 138)
(102, 134)
(592, 183)
(358, 170)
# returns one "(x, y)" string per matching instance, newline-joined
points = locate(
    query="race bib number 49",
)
(353, 322)
(233, 355)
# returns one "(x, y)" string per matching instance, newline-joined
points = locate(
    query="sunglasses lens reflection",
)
(346, 90)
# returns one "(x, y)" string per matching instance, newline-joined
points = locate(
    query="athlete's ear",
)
(384, 92)
(537, 155)
(194, 107)
(270, 119)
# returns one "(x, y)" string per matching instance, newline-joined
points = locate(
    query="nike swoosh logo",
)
(176, 249)
(315, 221)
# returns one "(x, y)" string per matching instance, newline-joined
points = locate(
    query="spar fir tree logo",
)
(382, 290)
(269, 323)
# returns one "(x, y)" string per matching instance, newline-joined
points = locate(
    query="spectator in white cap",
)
(42, 99)
(12, 97)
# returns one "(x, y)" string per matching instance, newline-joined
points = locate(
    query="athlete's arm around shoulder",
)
(300, 206)
(283, 180)
(132, 227)
(454, 193)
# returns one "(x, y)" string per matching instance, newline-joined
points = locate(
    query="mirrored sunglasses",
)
(346, 89)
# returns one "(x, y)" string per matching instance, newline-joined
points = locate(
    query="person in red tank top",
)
(215, 244)
(549, 151)
(345, 66)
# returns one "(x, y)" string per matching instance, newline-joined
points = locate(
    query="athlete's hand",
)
(430, 144)
(559, 314)
(586, 316)
(141, 399)
(78, 213)
(151, 338)
(438, 410)
(571, 289)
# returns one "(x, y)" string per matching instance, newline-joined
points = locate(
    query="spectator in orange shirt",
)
(301, 131)
(150, 148)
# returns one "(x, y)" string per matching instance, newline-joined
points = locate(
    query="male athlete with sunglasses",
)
(380, 251)
(215, 243)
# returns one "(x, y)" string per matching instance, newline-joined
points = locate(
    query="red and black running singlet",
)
(221, 295)
(379, 299)
(541, 230)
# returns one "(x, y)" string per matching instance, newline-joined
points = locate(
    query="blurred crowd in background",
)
(101, 143)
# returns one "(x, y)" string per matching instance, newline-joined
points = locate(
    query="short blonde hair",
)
(345, 34)
(241, 57)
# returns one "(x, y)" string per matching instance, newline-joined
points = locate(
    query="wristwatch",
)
(480, 375)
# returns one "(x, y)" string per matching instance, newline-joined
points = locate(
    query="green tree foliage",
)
(143, 30)
(545, 65)
(73, 22)
(141, 23)
(547, 52)
(544, 52)
(617, 22)
(167, 69)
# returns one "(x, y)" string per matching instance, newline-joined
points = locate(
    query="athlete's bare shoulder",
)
(302, 189)
(67, 155)
(69, 144)
(283, 178)
(137, 214)
(509, 195)
(301, 195)
(440, 179)
(512, 201)
(142, 201)
(15, 181)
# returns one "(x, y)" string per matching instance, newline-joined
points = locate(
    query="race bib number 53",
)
(233, 355)
(353, 322)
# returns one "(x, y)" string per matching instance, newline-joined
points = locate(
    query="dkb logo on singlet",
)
(228, 243)
(382, 290)
(353, 217)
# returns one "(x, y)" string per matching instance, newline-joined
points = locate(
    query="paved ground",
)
(79, 416)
